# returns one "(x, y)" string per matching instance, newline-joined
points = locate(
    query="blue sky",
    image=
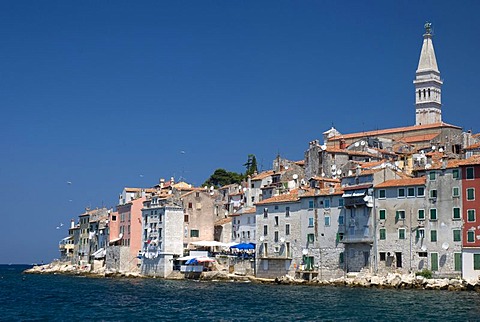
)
(106, 94)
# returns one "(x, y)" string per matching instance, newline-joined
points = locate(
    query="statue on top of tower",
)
(428, 28)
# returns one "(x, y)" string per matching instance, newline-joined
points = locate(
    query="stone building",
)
(199, 215)
(162, 236)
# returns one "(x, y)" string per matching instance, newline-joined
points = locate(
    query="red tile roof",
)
(402, 182)
(289, 197)
(263, 175)
(392, 131)
(419, 138)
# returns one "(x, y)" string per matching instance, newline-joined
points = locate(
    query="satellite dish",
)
(424, 248)
(440, 150)
(357, 144)
(295, 176)
(286, 167)
(362, 143)
(305, 251)
(323, 174)
(428, 166)
(433, 147)
(262, 238)
(244, 189)
(445, 246)
(339, 172)
(422, 152)
(350, 172)
(282, 240)
(323, 147)
(334, 166)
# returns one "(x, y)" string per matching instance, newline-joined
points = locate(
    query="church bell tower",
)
(428, 85)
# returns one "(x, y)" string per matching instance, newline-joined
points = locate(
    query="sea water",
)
(25, 297)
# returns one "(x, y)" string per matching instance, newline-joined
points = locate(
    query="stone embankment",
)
(397, 281)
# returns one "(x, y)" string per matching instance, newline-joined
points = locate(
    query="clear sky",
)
(107, 94)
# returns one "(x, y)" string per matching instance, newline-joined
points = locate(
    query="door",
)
(399, 259)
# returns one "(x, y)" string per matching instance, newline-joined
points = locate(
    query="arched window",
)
(429, 92)
(419, 94)
(424, 93)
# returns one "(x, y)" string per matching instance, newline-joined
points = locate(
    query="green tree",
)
(222, 177)
(251, 165)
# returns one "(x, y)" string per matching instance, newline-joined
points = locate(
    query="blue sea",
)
(69, 298)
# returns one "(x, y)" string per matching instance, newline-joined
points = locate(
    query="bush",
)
(426, 273)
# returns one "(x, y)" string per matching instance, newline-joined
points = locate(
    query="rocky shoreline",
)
(391, 280)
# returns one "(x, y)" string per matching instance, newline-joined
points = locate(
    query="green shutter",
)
(421, 213)
(341, 258)
(382, 233)
(433, 235)
(434, 261)
(382, 214)
(457, 235)
(456, 213)
(476, 261)
(458, 261)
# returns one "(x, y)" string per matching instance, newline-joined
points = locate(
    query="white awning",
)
(113, 241)
(185, 258)
(100, 253)
(347, 194)
(359, 193)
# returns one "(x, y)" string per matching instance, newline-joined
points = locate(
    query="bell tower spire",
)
(428, 85)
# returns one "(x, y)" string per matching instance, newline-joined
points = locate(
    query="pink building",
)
(130, 226)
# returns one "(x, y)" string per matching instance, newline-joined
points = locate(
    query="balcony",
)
(354, 202)
(361, 239)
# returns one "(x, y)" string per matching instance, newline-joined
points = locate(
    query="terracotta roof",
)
(301, 162)
(361, 186)
(365, 172)
(223, 221)
(150, 190)
(402, 182)
(367, 165)
(263, 175)
(419, 138)
(250, 210)
(473, 160)
(322, 192)
(473, 146)
(349, 152)
(289, 197)
(324, 179)
(392, 131)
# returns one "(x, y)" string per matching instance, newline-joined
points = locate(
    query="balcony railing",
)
(349, 239)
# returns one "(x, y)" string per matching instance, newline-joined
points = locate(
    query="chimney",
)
(162, 183)
(72, 224)
(343, 145)
(358, 170)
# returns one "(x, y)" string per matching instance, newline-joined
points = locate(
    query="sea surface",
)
(68, 298)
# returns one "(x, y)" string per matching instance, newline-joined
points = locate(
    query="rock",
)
(376, 280)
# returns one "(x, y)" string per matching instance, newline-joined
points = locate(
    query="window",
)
(421, 214)
(197, 194)
(470, 173)
(420, 192)
(310, 238)
(410, 192)
(326, 203)
(287, 211)
(383, 256)
(265, 212)
(190, 205)
(433, 214)
(434, 261)
(114, 218)
(310, 222)
(383, 234)
(400, 215)
(341, 258)
(265, 230)
(457, 235)
(340, 220)
(287, 229)
(456, 213)
(471, 194)
(310, 204)
(457, 261)
(471, 215)
(476, 261)
(275, 238)
(194, 233)
(422, 254)
(470, 236)
(276, 207)
(455, 192)
(276, 220)
(185, 218)
(382, 194)
(340, 202)
(420, 233)
(401, 193)
(382, 214)
(433, 193)
(401, 233)
(433, 235)
(455, 174)
(327, 221)
(432, 176)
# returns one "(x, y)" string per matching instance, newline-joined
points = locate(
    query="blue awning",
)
(244, 246)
